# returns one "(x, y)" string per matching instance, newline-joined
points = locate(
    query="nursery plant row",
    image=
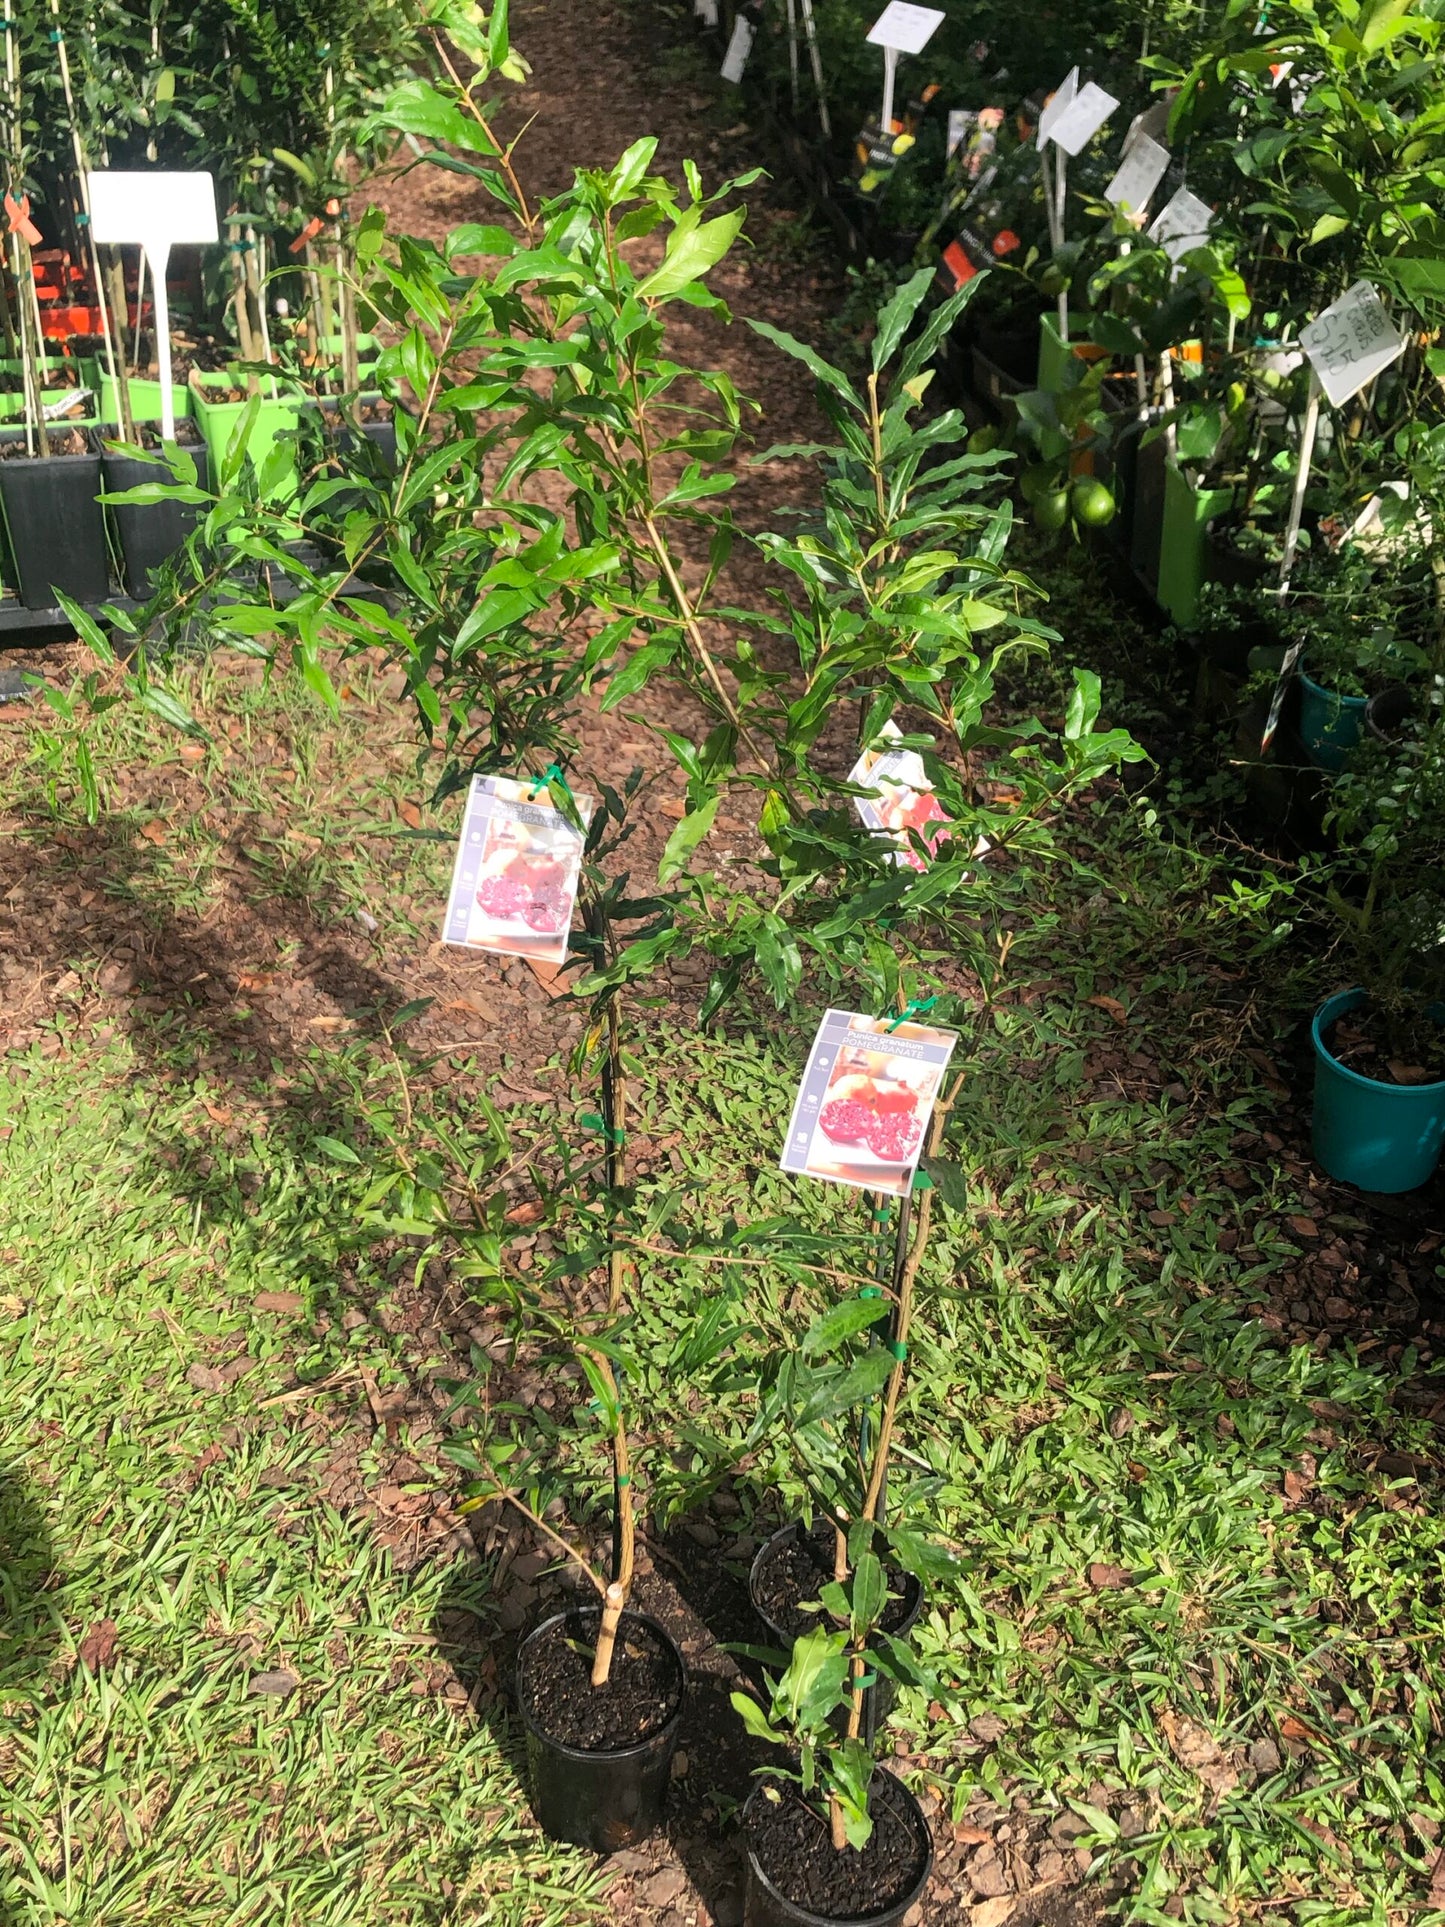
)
(113, 119)
(1210, 329)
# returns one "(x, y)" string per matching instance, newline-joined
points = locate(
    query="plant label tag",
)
(706, 11)
(156, 210)
(960, 126)
(1154, 121)
(735, 60)
(1181, 224)
(903, 799)
(1058, 104)
(862, 1109)
(905, 28)
(1351, 342)
(1082, 118)
(1140, 172)
(515, 879)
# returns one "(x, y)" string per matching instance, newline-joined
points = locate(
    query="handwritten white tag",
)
(1082, 118)
(904, 27)
(1351, 342)
(1181, 224)
(1140, 172)
(1058, 105)
(735, 60)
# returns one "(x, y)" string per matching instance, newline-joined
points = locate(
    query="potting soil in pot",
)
(793, 1846)
(1406, 1049)
(63, 441)
(794, 1572)
(640, 1696)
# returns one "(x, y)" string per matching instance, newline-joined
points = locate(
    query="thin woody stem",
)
(905, 1311)
(511, 1498)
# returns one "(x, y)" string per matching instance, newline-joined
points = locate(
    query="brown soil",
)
(1389, 1046)
(557, 1693)
(63, 441)
(792, 1572)
(792, 1845)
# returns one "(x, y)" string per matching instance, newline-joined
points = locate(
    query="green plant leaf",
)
(690, 254)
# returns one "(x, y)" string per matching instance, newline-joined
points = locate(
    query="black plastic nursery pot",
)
(790, 1859)
(55, 523)
(817, 1564)
(601, 1796)
(1388, 712)
(148, 534)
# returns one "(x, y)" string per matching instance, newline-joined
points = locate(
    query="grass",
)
(168, 1536)
(1198, 1612)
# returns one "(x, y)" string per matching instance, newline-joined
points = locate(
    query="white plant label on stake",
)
(1181, 224)
(1082, 118)
(905, 28)
(706, 11)
(1351, 342)
(863, 1106)
(1142, 169)
(1058, 105)
(735, 60)
(156, 211)
(901, 28)
(1154, 121)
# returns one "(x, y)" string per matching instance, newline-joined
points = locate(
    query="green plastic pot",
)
(1057, 355)
(1183, 540)
(1330, 724)
(145, 399)
(1381, 1137)
(217, 421)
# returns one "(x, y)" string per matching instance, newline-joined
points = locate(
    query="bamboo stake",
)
(82, 176)
(37, 437)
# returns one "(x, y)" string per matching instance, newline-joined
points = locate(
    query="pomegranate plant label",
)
(1351, 342)
(863, 1106)
(904, 800)
(514, 883)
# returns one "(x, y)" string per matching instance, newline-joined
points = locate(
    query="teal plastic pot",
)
(1330, 724)
(1381, 1137)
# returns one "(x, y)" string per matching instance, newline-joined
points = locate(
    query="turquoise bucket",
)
(1329, 724)
(1381, 1137)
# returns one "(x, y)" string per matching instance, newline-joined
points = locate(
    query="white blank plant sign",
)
(905, 28)
(1082, 118)
(1143, 167)
(155, 210)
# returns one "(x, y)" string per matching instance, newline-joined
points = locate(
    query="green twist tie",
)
(623, 1478)
(922, 1181)
(871, 1291)
(549, 775)
(915, 1009)
(590, 1121)
(898, 1349)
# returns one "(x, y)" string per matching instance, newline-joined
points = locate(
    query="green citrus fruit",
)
(1054, 282)
(1092, 503)
(1039, 478)
(1051, 510)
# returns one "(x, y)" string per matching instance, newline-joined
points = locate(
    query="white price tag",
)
(904, 27)
(1140, 172)
(960, 126)
(1351, 342)
(1082, 118)
(1058, 105)
(735, 60)
(1181, 224)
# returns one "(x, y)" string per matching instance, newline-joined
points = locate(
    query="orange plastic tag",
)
(311, 229)
(18, 221)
